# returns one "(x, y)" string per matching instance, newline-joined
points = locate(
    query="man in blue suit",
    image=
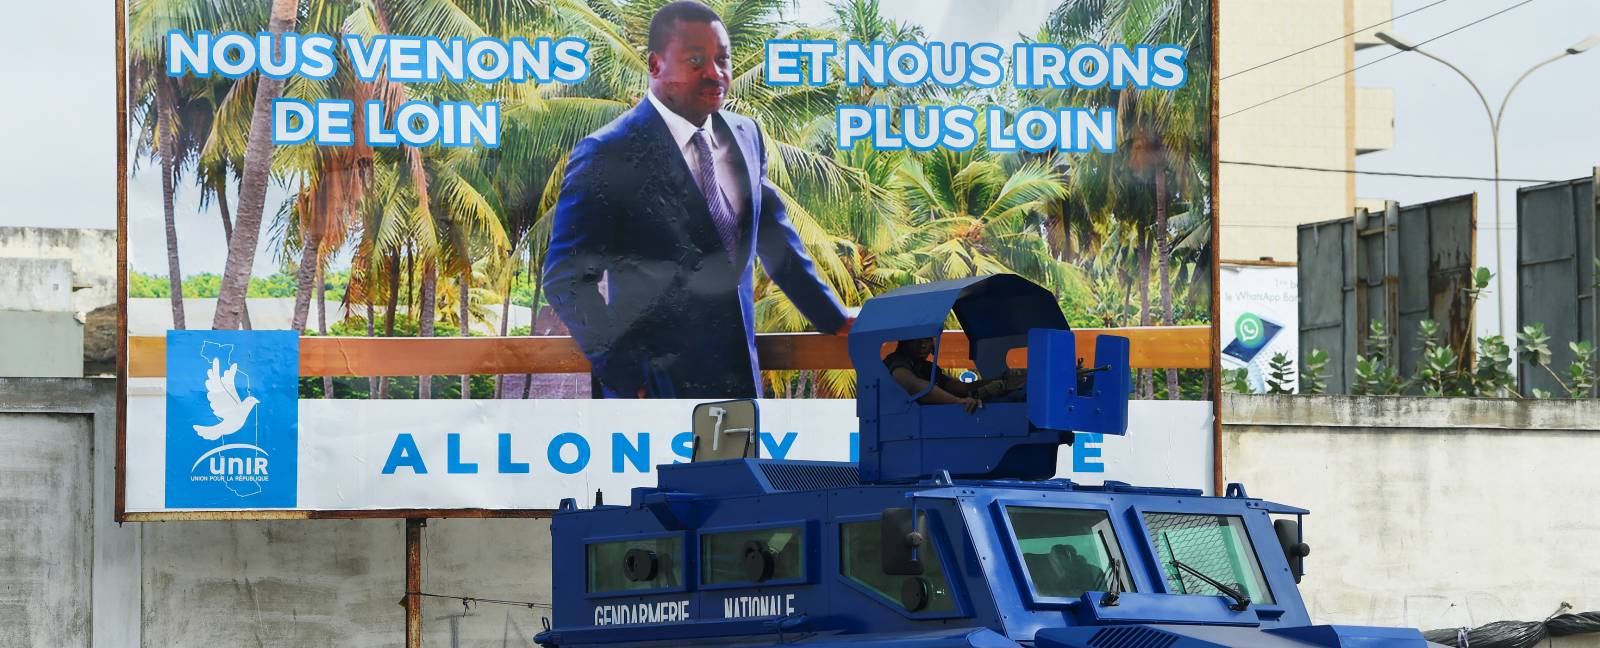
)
(661, 216)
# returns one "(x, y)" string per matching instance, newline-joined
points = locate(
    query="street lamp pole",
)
(1495, 117)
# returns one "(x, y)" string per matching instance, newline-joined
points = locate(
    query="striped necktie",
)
(721, 211)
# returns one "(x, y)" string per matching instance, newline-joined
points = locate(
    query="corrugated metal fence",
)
(1399, 267)
(1556, 256)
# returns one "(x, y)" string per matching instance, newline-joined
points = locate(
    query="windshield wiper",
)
(1240, 601)
(1114, 591)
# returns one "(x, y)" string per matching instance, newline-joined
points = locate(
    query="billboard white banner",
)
(530, 454)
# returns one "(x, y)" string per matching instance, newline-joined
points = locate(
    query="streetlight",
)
(1494, 133)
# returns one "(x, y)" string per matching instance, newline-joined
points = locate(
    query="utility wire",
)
(1335, 40)
(473, 599)
(1435, 176)
(1373, 61)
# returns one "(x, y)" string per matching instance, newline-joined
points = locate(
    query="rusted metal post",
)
(414, 581)
(1391, 282)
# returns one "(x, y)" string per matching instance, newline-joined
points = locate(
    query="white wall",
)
(339, 582)
(1430, 513)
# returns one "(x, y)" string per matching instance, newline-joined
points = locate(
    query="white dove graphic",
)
(225, 403)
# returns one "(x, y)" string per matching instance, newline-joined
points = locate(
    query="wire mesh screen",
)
(1199, 541)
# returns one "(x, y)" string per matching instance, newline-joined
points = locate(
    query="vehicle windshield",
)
(1216, 545)
(1068, 551)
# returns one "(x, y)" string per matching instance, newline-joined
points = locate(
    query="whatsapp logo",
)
(1249, 330)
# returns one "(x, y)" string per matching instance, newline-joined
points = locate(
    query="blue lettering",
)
(561, 465)
(453, 463)
(855, 447)
(780, 449)
(404, 453)
(508, 466)
(683, 446)
(637, 454)
(1082, 452)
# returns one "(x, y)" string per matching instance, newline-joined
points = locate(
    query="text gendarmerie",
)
(659, 612)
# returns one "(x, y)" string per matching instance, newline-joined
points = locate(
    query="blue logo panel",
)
(233, 419)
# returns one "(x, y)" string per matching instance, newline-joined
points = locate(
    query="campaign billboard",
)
(558, 205)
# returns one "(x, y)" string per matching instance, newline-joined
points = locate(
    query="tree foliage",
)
(436, 235)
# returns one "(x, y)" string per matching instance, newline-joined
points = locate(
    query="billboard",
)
(556, 206)
(1260, 319)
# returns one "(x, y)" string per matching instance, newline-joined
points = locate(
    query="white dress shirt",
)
(725, 157)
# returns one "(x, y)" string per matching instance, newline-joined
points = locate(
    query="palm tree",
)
(872, 220)
(1162, 134)
(253, 184)
(213, 177)
(165, 140)
(323, 214)
(160, 105)
(175, 114)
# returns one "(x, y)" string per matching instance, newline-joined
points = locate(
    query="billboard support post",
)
(413, 599)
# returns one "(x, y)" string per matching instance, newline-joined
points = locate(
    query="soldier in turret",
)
(911, 363)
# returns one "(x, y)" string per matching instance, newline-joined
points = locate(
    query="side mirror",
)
(902, 540)
(725, 430)
(1288, 532)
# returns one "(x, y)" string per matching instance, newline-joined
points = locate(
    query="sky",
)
(1548, 130)
(61, 170)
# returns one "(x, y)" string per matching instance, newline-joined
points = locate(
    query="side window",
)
(629, 565)
(752, 556)
(861, 560)
(1215, 545)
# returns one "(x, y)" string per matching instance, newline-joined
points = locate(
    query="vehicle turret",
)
(1002, 316)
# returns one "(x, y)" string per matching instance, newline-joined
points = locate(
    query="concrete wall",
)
(38, 344)
(286, 583)
(1430, 513)
(1426, 513)
(68, 573)
(42, 333)
(92, 254)
(338, 583)
(35, 284)
(45, 568)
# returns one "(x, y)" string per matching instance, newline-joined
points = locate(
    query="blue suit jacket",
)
(679, 321)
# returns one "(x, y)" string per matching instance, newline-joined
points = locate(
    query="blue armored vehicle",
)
(951, 530)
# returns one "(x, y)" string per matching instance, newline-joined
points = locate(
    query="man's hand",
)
(972, 404)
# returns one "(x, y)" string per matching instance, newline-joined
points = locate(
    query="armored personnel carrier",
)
(951, 530)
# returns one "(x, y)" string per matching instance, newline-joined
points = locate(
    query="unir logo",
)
(232, 419)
